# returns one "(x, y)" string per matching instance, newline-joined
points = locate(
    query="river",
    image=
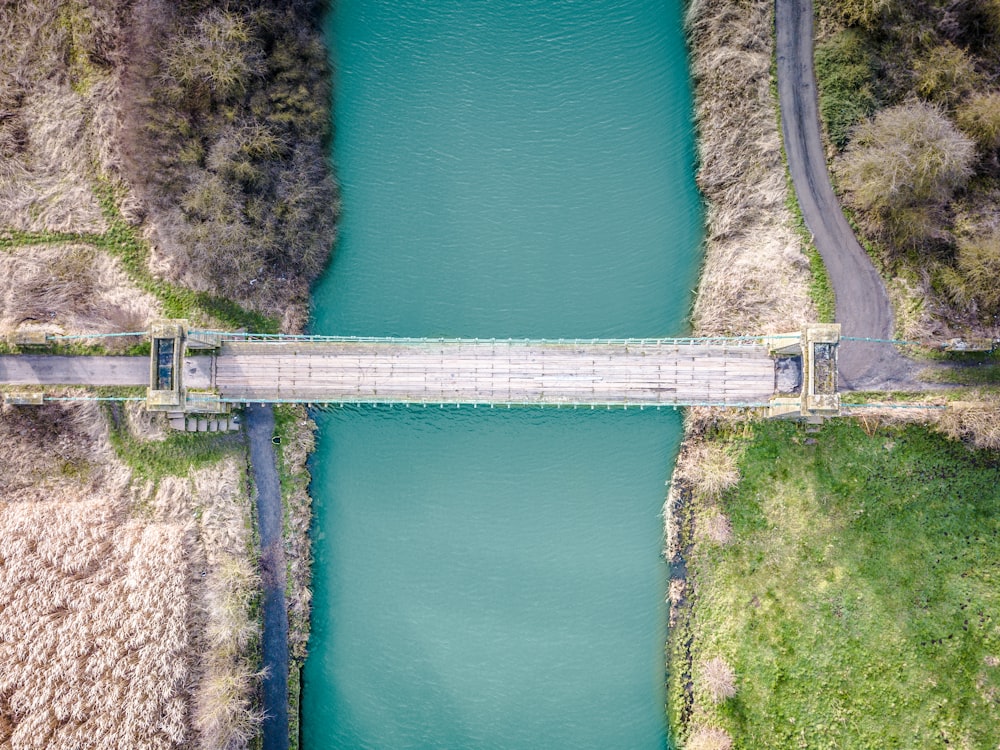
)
(491, 578)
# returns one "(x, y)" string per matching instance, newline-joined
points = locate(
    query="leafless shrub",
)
(976, 423)
(974, 282)
(979, 118)
(718, 679)
(903, 167)
(233, 173)
(946, 75)
(710, 468)
(709, 738)
(217, 55)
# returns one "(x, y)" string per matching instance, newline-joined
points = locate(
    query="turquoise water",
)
(491, 578)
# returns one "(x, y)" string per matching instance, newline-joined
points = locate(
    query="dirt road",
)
(863, 307)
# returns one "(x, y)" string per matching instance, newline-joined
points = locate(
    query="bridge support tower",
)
(806, 374)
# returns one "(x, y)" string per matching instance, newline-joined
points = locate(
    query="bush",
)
(216, 58)
(863, 13)
(977, 424)
(709, 738)
(902, 167)
(844, 72)
(979, 118)
(975, 282)
(235, 166)
(946, 75)
(718, 679)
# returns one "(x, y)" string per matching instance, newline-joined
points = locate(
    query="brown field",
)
(124, 606)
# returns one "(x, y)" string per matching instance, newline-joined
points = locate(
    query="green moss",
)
(858, 601)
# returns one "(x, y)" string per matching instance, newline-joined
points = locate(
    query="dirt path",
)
(260, 429)
(863, 308)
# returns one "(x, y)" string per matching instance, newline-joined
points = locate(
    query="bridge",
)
(207, 372)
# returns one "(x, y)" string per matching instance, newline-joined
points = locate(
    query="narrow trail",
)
(260, 429)
(863, 307)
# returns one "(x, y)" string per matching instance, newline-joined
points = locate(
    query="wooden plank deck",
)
(496, 372)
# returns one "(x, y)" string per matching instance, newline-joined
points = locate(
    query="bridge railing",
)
(405, 340)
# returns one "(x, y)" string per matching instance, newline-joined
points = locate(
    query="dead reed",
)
(709, 738)
(53, 56)
(125, 607)
(717, 679)
(755, 276)
(70, 288)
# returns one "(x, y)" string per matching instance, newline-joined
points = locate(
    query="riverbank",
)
(753, 594)
(755, 277)
(116, 165)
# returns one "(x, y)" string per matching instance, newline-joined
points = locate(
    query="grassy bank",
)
(856, 599)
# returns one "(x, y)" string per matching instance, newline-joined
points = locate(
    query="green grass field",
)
(859, 602)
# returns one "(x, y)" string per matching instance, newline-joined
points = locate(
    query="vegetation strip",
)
(855, 597)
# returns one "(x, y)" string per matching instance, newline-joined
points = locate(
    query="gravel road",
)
(863, 307)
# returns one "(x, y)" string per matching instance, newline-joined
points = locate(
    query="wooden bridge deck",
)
(496, 372)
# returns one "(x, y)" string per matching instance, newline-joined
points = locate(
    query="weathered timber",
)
(471, 372)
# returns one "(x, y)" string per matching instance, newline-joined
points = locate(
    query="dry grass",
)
(124, 607)
(95, 629)
(54, 452)
(755, 277)
(978, 423)
(297, 444)
(709, 468)
(223, 713)
(709, 738)
(715, 528)
(67, 288)
(57, 62)
(717, 679)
